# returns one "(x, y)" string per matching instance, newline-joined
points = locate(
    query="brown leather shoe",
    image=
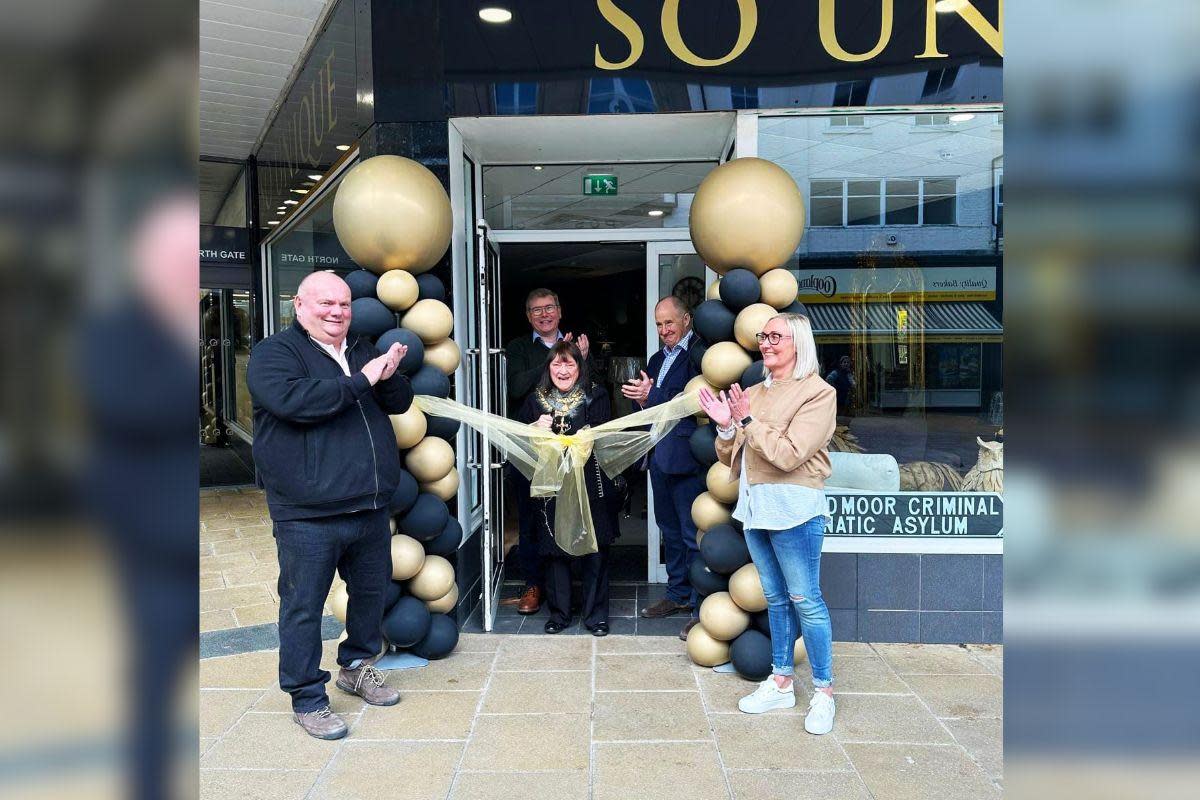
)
(322, 724)
(664, 608)
(691, 623)
(531, 601)
(367, 683)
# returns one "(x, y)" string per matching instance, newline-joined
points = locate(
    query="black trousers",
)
(593, 569)
(359, 547)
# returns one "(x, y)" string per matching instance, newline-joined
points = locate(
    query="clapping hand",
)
(383, 367)
(582, 343)
(716, 407)
(544, 421)
(638, 389)
(739, 402)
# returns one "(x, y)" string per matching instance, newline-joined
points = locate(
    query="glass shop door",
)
(491, 376)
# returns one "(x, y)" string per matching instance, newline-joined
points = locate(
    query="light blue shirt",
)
(775, 506)
(669, 356)
(537, 338)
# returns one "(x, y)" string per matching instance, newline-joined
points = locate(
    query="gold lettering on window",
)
(748, 23)
(826, 19)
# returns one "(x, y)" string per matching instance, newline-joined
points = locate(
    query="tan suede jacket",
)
(789, 438)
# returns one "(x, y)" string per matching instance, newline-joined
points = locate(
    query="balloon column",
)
(746, 221)
(393, 217)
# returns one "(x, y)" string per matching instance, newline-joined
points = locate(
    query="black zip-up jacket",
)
(323, 443)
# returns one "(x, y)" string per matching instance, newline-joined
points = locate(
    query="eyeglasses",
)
(772, 337)
(542, 311)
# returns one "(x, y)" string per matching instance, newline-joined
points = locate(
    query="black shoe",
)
(599, 629)
(554, 627)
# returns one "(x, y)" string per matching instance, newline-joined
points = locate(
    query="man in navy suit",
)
(674, 473)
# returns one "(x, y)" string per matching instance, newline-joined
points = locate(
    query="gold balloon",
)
(704, 650)
(430, 319)
(446, 604)
(747, 213)
(409, 427)
(721, 483)
(444, 355)
(694, 386)
(408, 556)
(800, 651)
(708, 513)
(749, 323)
(779, 288)
(723, 618)
(339, 600)
(430, 459)
(434, 580)
(397, 289)
(714, 291)
(445, 488)
(724, 363)
(392, 213)
(746, 589)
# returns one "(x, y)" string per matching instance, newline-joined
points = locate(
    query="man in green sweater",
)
(526, 356)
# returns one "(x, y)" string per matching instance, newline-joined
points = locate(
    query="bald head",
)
(322, 304)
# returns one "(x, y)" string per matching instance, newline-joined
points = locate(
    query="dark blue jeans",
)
(789, 567)
(673, 498)
(358, 547)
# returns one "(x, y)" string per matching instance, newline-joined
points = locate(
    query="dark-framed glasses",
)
(772, 337)
(541, 311)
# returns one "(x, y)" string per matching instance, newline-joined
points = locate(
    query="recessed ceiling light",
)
(947, 6)
(343, 147)
(300, 191)
(291, 202)
(273, 222)
(495, 14)
(281, 211)
(538, 167)
(657, 212)
(964, 117)
(315, 177)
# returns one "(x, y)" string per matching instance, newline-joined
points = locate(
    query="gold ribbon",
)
(554, 462)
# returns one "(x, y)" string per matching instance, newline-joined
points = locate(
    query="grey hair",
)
(806, 346)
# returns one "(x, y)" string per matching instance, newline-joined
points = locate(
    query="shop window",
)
(903, 201)
(862, 203)
(938, 81)
(826, 203)
(743, 96)
(938, 201)
(516, 98)
(620, 96)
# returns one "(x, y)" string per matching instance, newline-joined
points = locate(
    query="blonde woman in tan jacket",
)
(775, 436)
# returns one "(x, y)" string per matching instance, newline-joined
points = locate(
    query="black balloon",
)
(430, 287)
(703, 444)
(724, 549)
(407, 622)
(705, 581)
(426, 519)
(796, 308)
(751, 655)
(739, 288)
(446, 543)
(696, 352)
(754, 374)
(441, 639)
(405, 494)
(416, 349)
(760, 621)
(431, 381)
(395, 591)
(714, 321)
(369, 317)
(362, 283)
(441, 427)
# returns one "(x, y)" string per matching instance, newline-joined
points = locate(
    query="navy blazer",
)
(673, 455)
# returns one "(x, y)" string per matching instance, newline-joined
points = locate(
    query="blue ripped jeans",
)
(789, 566)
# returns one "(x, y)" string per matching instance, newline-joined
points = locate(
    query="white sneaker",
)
(819, 719)
(767, 696)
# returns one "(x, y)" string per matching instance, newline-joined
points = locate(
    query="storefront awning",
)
(937, 322)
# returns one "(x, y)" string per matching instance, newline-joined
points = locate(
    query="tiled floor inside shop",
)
(572, 716)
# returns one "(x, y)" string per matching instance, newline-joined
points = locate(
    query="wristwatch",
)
(746, 420)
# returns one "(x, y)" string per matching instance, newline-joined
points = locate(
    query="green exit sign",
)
(599, 184)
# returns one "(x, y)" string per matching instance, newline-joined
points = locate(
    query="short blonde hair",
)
(806, 346)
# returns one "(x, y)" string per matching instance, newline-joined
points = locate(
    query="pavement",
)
(622, 717)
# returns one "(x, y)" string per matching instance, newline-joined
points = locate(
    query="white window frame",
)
(920, 223)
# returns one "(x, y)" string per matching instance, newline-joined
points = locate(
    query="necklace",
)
(559, 403)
